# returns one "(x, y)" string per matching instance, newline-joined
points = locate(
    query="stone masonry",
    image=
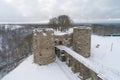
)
(43, 47)
(44, 43)
(81, 44)
(66, 39)
(82, 40)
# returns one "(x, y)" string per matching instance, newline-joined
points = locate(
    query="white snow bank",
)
(43, 30)
(59, 33)
(27, 70)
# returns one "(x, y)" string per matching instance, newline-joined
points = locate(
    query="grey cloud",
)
(42, 10)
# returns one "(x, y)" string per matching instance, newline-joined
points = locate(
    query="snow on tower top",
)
(43, 31)
(83, 27)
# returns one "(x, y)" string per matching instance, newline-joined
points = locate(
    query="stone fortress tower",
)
(81, 44)
(43, 46)
(82, 41)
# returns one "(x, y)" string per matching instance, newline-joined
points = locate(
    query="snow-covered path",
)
(27, 70)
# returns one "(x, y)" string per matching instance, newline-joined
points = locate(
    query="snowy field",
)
(108, 52)
(27, 70)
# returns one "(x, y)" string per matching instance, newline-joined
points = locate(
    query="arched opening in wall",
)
(60, 43)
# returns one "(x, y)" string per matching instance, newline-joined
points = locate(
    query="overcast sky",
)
(43, 10)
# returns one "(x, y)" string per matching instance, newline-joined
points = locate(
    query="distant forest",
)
(105, 29)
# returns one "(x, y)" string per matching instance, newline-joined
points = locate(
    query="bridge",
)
(101, 71)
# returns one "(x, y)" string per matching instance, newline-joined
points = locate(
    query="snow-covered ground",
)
(27, 70)
(108, 52)
(59, 33)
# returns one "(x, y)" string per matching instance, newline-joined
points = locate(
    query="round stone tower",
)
(43, 46)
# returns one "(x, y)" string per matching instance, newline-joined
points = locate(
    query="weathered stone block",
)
(84, 72)
(94, 76)
(75, 66)
(69, 60)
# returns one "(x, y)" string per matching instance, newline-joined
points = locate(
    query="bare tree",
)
(53, 23)
(63, 23)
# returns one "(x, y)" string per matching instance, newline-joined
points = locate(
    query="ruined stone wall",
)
(44, 43)
(43, 47)
(94, 76)
(82, 41)
(81, 44)
(66, 40)
(77, 67)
